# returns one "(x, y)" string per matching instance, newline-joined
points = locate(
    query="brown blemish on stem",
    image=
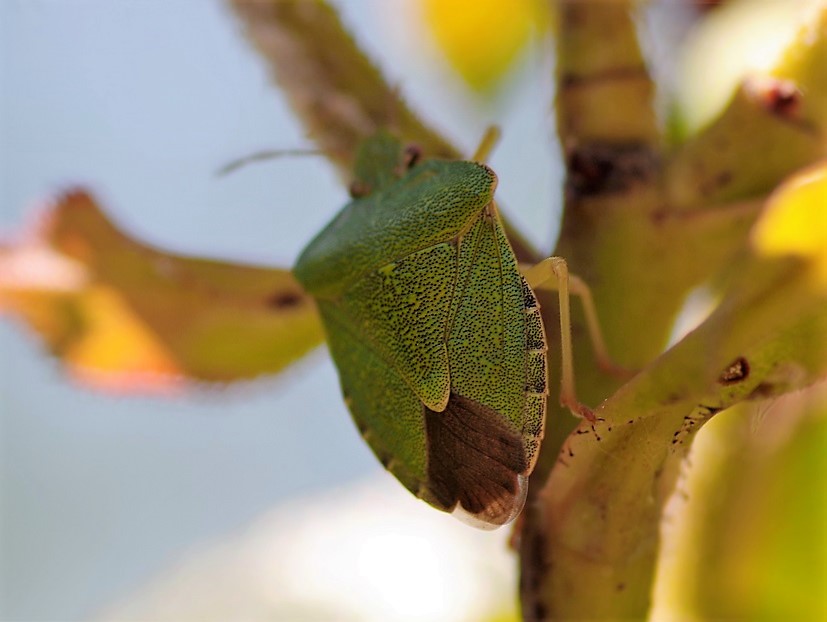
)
(735, 372)
(614, 74)
(284, 300)
(604, 168)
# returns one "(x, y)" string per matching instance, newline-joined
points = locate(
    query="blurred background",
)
(259, 500)
(142, 102)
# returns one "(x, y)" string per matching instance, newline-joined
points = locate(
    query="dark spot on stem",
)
(762, 391)
(571, 80)
(284, 300)
(723, 178)
(780, 97)
(597, 168)
(735, 372)
(539, 611)
(534, 568)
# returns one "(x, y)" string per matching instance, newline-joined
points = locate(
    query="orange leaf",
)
(125, 316)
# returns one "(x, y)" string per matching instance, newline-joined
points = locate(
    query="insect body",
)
(437, 337)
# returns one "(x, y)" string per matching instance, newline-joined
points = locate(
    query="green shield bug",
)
(436, 335)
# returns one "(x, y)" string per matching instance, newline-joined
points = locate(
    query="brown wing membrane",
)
(476, 461)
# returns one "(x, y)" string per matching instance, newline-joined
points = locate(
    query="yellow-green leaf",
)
(125, 316)
(750, 539)
(795, 222)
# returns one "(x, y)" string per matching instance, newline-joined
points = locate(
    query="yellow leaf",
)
(483, 38)
(795, 222)
(122, 353)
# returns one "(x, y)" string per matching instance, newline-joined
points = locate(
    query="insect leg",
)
(487, 144)
(553, 273)
(547, 275)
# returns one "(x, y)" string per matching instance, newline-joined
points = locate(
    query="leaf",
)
(795, 223)
(125, 316)
(751, 539)
(483, 39)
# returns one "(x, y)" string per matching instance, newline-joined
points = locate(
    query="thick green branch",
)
(590, 76)
(589, 548)
(774, 125)
(602, 504)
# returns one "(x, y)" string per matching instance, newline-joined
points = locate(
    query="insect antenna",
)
(262, 156)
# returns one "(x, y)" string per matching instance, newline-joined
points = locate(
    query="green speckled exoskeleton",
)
(436, 332)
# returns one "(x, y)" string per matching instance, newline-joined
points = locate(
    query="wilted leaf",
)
(126, 316)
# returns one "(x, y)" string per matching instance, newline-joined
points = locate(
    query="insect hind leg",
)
(553, 273)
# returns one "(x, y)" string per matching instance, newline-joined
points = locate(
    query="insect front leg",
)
(553, 274)
(487, 143)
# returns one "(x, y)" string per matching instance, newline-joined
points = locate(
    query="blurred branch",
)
(774, 125)
(590, 75)
(337, 92)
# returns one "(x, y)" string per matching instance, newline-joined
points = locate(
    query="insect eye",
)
(358, 189)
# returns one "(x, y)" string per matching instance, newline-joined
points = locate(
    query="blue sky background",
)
(142, 102)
